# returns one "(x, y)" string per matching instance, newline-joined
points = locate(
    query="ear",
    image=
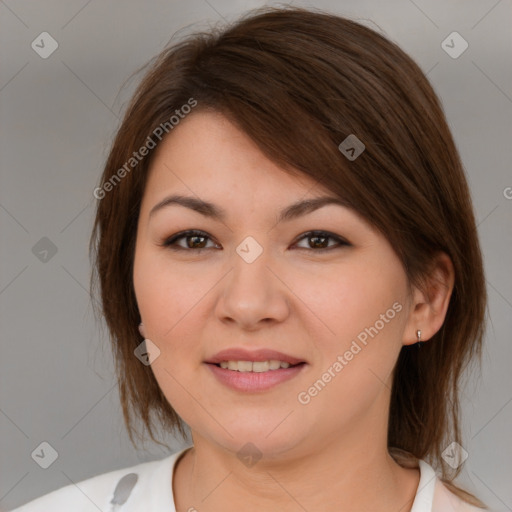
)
(429, 306)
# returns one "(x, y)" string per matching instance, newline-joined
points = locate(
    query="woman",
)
(288, 265)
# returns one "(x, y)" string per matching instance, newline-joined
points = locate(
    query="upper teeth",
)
(257, 366)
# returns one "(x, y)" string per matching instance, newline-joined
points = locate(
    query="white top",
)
(152, 492)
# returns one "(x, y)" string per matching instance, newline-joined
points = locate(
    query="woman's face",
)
(251, 280)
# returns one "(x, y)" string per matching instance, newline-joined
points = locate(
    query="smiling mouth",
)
(255, 366)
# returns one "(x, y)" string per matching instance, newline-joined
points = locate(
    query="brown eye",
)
(194, 240)
(319, 240)
(197, 241)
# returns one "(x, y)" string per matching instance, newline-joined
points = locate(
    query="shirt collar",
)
(425, 493)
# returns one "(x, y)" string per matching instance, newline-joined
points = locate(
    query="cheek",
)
(167, 302)
(164, 295)
(363, 314)
(350, 300)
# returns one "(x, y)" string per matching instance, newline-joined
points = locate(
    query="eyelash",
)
(170, 243)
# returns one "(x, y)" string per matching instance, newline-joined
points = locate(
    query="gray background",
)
(58, 116)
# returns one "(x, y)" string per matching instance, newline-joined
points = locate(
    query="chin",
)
(246, 442)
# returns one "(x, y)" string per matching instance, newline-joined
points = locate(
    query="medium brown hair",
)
(298, 82)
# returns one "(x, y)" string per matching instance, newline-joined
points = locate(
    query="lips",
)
(239, 354)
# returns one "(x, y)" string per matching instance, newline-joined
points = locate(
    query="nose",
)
(253, 294)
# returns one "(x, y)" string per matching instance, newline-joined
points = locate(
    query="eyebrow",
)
(213, 211)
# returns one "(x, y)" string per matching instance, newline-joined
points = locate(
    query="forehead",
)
(206, 154)
(209, 165)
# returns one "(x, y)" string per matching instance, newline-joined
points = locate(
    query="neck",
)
(346, 472)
